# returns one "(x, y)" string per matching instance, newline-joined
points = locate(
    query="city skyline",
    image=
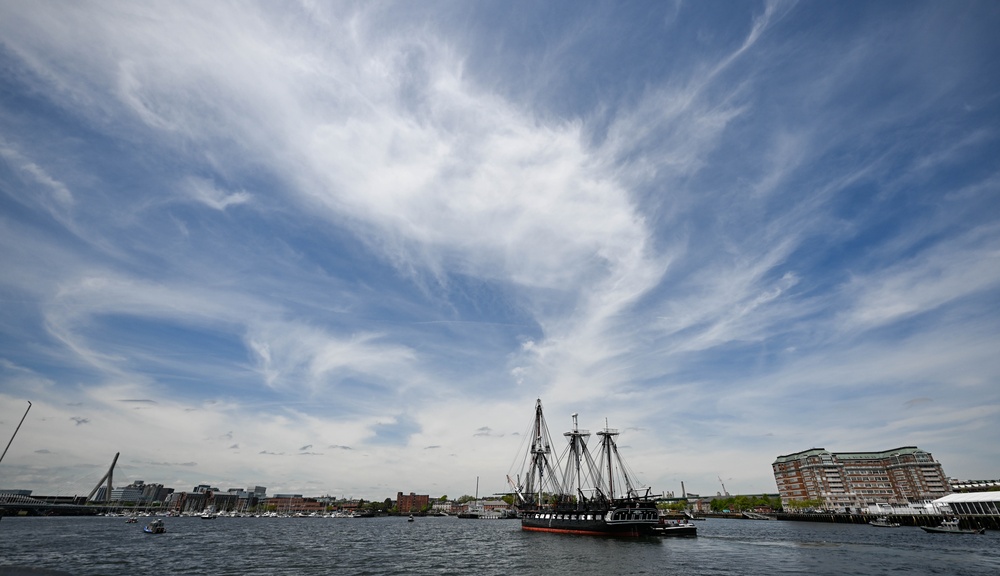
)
(321, 247)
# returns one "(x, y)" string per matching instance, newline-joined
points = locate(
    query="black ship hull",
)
(620, 523)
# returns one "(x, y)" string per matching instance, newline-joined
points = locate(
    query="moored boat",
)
(951, 526)
(884, 522)
(672, 527)
(585, 494)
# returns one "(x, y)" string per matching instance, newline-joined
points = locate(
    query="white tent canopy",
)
(970, 497)
(971, 503)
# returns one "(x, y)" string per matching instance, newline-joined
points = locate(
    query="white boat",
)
(883, 522)
(675, 527)
(154, 527)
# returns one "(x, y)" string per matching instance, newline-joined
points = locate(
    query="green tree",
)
(742, 503)
(721, 504)
(678, 506)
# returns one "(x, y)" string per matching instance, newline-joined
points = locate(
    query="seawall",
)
(986, 521)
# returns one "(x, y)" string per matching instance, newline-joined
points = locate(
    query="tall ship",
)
(579, 491)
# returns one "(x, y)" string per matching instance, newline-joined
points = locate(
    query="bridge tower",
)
(107, 476)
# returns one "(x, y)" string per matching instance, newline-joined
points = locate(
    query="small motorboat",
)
(681, 527)
(410, 519)
(154, 527)
(951, 527)
(883, 522)
(132, 520)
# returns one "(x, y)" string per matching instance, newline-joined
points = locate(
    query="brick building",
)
(412, 503)
(845, 480)
(294, 504)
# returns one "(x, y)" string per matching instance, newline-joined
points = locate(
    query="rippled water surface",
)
(387, 546)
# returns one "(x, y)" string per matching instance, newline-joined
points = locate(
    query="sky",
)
(341, 248)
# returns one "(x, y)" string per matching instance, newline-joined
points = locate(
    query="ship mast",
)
(539, 448)
(576, 436)
(578, 448)
(607, 443)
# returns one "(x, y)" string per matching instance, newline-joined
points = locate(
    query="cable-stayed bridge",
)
(16, 504)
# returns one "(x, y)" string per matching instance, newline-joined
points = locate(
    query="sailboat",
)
(580, 493)
(473, 511)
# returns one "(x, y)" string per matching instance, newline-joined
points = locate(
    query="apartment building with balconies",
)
(846, 480)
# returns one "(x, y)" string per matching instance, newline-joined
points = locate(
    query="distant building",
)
(155, 492)
(15, 492)
(493, 505)
(974, 485)
(294, 504)
(412, 502)
(126, 494)
(187, 502)
(846, 480)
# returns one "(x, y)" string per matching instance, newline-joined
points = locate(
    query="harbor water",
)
(447, 545)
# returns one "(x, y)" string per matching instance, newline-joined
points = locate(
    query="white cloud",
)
(204, 192)
(383, 171)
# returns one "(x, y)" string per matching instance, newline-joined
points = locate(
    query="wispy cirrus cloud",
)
(414, 226)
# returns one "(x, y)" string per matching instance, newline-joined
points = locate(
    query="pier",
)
(988, 521)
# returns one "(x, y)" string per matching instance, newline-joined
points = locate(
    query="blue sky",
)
(341, 248)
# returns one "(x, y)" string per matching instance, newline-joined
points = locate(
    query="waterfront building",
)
(129, 494)
(245, 498)
(224, 501)
(846, 480)
(155, 492)
(493, 505)
(294, 504)
(412, 503)
(15, 493)
(187, 502)
(100, 495)
(974, 485)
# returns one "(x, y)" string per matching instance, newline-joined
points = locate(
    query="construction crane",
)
(724, 491)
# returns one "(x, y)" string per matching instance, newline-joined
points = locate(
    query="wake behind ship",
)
(579, 492)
